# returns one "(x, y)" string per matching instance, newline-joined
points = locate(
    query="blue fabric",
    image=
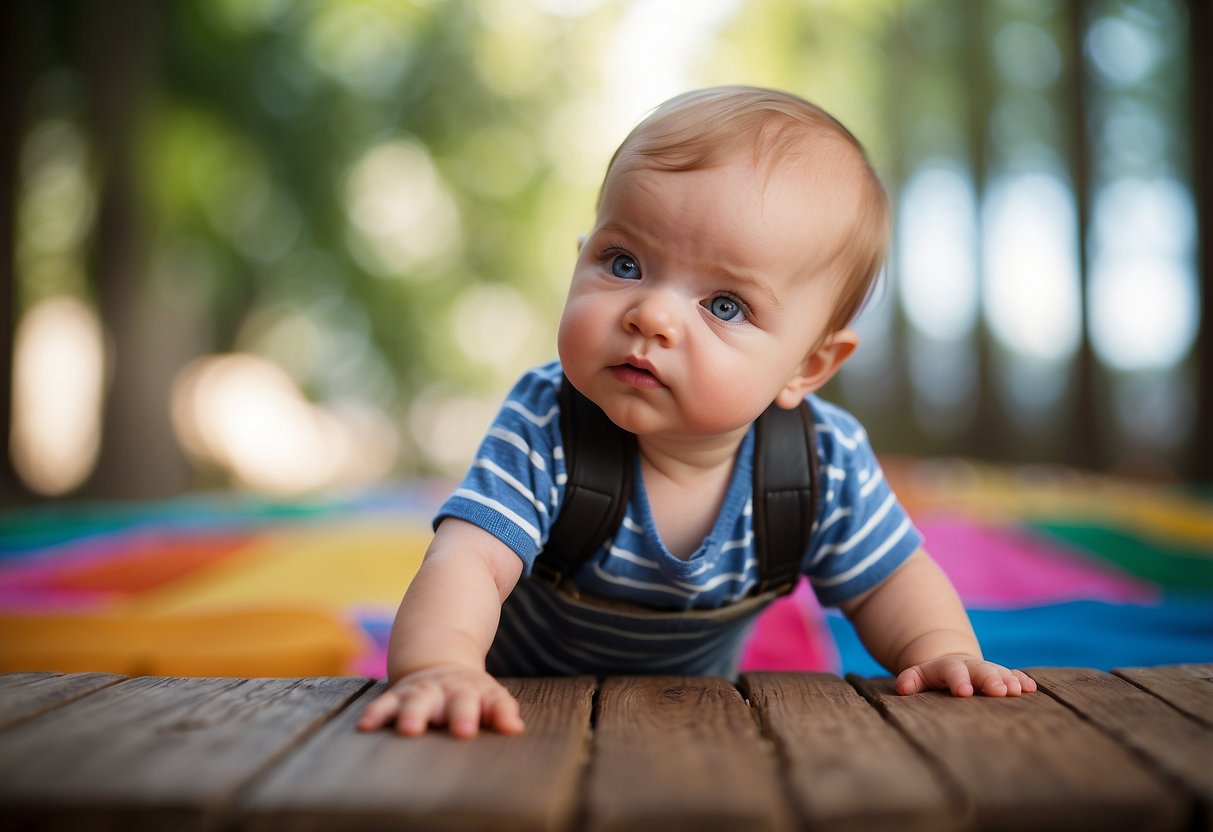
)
(1074, 634)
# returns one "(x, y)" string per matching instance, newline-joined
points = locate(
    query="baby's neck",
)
(686, 484)
(685, 460)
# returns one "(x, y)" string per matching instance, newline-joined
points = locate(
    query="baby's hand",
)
(963, 675)
(459, 697)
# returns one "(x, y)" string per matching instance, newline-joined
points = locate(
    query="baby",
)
(739, 232)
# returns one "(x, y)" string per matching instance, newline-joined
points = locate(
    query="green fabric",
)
(50, 525)
(1169, 565)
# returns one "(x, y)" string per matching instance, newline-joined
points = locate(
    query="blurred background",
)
(305, 247)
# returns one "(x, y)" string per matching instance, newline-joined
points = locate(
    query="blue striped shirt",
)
(516, 484)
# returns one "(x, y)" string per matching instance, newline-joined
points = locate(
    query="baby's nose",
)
(655, 315)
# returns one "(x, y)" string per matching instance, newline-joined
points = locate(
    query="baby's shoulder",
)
(535, 395)
(841, 437)
(530, 414)
(538, 384)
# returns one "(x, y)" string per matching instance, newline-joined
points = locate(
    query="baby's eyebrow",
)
(620, 229)
(752, 285)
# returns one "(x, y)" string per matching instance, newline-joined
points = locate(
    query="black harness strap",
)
(599, 458)
(785, 494)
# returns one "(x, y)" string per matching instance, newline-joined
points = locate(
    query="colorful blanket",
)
(1056, 568)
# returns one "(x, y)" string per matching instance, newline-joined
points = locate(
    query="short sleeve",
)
(515, 484)
(862, 533)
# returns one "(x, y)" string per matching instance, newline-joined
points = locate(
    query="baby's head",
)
(738, 232)
(784, 135)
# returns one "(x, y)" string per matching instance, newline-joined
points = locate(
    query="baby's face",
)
(699, 295)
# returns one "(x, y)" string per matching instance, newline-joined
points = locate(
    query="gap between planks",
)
(827, 752)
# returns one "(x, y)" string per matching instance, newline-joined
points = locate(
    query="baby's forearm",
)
(442, 633)
(445, 617)
(450, 612)
(913, 617)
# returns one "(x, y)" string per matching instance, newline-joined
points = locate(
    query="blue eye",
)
(625, 266)
(725, 308)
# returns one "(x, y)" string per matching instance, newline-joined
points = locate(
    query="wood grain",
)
(846, 767)
(346, 779)
(1175, 742)
(1092, 750)
(675, 753)
(1188, 687)
(167, 753)
(1028, 762)
(25, 695)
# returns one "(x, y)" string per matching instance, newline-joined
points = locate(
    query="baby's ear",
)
(818, 367)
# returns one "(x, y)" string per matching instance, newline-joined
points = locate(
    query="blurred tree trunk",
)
(1201, 37)
(1085, 438)
(990, 430)
(14, 82)
(139, 456)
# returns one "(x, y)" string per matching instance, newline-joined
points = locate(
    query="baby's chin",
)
(688, 433)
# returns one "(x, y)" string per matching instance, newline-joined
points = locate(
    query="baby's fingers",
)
(999, 681)
(993, 680)
(419, 706)
(501, 713)
(1026, 683)
(911, 681)
(954, 675)
(941, 673)
(1013, 683)
(379, 712)
(463, 714)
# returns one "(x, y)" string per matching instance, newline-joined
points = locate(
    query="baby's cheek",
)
(578, 342)
(722, 407)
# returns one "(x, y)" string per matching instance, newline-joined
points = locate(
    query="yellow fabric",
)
(340, 566)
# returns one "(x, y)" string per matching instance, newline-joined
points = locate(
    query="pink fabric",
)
(1001, 567)
(791, 634)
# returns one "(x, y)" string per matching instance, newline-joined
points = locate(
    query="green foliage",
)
(382, 197)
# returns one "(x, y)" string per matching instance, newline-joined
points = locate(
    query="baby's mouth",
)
(637, 374)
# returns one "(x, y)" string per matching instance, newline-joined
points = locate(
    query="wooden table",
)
(1130, 750)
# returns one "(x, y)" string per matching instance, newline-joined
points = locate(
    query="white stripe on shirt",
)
(535, 419)
(870, 485)
(858, 537)
(521, 444)
(502, 509)
(878, 553)
(511, 481)
(632, 557)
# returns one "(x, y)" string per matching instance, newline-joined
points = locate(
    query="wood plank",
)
(25, 695)
(156, 752)
(1028, 762)
(1179, 745)
(1188, 687)
(346, 779)
(677, 753)
(846, 767)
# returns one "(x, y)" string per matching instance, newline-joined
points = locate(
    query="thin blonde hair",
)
(703, 128)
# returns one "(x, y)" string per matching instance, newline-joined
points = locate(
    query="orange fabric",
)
(267, 641)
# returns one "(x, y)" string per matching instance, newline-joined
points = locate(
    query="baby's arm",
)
(442, 632)
(915, 625)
